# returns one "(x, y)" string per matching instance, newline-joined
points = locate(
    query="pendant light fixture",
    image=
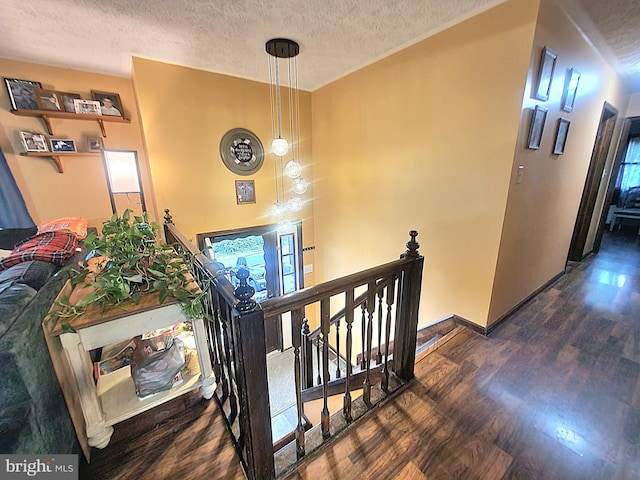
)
(285, 50)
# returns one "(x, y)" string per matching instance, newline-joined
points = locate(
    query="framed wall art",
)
(536, 127)
(94, 144)
(67, 101)
(110, 103)
(545, 74)
(561, 136)
(48, 99)
(34, 142)
(570, 88)
(87, 107)
(21, 93)
(62, 145)
(241, 151)
(245, 191)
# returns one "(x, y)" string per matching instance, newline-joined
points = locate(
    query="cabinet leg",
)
(100, 439)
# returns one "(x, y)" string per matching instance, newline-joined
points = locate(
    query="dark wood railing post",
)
(251, 375)
(404, 348)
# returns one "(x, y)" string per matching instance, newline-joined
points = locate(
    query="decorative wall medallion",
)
(241, 151)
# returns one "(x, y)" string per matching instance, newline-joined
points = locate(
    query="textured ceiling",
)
(336, 37)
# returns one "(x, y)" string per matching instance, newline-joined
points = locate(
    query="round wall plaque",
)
(241, 151)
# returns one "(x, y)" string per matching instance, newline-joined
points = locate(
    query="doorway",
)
(582, 243)
(273, 258)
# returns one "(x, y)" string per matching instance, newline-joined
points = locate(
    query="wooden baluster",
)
(307, 355)
(371, 305)
(379, 353)
(391, 288)
(325, 319)
(338, 374)
(297, 333)
(318, 360)
(349, 314)
(363, 330)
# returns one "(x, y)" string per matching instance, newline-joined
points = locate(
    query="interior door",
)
(579, 248)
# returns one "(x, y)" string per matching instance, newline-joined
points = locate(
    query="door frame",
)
(599, 155)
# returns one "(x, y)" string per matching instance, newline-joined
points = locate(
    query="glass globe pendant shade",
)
(280, 146)
(299, 186)
(293, 169)
(278, 210)
(295, 204)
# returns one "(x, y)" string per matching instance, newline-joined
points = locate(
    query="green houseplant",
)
(126, 261)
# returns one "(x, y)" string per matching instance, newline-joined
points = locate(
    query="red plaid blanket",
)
(52, 247)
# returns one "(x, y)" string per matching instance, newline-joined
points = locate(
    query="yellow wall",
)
(541, 211)
(424, 140)
(185, 114)
(81, 190)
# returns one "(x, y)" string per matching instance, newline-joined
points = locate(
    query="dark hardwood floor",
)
(552, 393)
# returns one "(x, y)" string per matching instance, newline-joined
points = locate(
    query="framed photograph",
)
(62, 145)
(109, 103)
(536, 127)
(48, 99)
(545, 74)
(570, 88)
(21, 94)
(94, 144)
(34, 142)
(245, 191)
(67, 101)
(86, 107)
(561, 136)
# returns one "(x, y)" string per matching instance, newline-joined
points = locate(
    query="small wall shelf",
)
(47, 115)
(58, 156)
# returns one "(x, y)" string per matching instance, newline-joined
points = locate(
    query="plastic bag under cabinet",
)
(155, 363)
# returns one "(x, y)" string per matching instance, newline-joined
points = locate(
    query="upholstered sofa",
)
(33, 414)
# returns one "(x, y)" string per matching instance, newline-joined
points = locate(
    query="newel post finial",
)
(412, 245)
(168, 219)
(244, 292)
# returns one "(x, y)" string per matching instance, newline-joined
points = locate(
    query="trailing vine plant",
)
(125, 262)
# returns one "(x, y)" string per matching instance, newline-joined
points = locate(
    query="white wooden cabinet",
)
(96, 407)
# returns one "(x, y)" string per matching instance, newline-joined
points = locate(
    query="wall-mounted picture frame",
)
(245, 191)
(62, 145)
(570, 89)
(110, 103)
(48, 99)
(67, 101)
(561, 136)
(542, 85)
(33, 142)
(94, 144)
(87, 107)
(21, 93)
(536, 127)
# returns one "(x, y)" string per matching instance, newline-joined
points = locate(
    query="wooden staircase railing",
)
(236, 336)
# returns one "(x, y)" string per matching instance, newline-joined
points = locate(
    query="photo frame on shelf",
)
(33, 142)
(545, 74)
(62, 145)
(87, 107)
(21, 93)
(48, 100)
(561, 136)
(245, 191)
(570, 89)
(94, 144)
(536, 127)
(67, 101)
(110, 103)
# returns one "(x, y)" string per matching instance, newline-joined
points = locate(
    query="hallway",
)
(553, 393)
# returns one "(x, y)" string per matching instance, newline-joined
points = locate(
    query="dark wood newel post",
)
(253, 388)
(404, 350)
